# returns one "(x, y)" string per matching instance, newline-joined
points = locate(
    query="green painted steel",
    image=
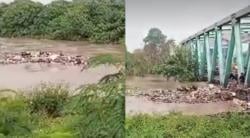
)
(209, 65)
(247, 81)
(196, 58)
(202, 59)
(199, 54)
(229, 58)
(238, 47)
(209, 60)
(248, 56)
(218, 44)
(213, 62)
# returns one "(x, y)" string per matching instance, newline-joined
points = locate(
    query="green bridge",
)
(222, 45)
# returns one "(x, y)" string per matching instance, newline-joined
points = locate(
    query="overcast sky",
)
(177, 19)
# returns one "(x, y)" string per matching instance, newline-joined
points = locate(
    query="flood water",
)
(141, 105)
(68, 47)
(28, 75)
(157, 82)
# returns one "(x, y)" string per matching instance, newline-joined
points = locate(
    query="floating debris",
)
(192, 94)
(42, 57)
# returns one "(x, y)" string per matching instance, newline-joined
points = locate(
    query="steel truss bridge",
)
(222, 45)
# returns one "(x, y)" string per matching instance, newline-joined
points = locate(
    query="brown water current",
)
(29, 75)
(142, 105)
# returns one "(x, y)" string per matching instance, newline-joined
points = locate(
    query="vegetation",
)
(98, 21)
(231, 125)
(105, 59)
(179, 65)
(161, 56)
(52, 112)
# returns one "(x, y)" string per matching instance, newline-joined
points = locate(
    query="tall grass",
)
(97, 111)
(231, 125)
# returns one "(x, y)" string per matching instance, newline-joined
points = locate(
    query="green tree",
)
(48, 14)
(108, 21)
(18, 18)
(154, 37)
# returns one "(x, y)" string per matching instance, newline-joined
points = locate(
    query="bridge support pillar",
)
(230, 52)
(208, 57)
(247, 80)
(218, 46)
(238, 46)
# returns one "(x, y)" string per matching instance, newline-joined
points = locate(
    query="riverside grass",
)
(97, 111)
(175, 125)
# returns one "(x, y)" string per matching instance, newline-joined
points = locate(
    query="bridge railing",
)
(207, 58)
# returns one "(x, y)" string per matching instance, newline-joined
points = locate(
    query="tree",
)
(18, 18)
(48, 14)
(155, 37)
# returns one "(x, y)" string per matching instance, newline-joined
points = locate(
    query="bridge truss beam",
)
(201, 49)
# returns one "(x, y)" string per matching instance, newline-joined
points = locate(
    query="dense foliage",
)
(179, 65)
(231, 125)
(99, 21)
(161, 56)
(94, 111)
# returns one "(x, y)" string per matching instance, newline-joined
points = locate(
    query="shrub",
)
(179, 65)
(97, 21)
(101, 110)
(49, 100)
(14, 118)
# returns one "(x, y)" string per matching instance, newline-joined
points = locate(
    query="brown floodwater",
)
(68, 47)
(29, 75)
(141, 105)
(26, 76)
(157, 82)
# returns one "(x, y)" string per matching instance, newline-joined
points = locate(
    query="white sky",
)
(177, 19)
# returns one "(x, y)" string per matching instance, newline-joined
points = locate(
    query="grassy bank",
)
(231, 125)
(51, 112)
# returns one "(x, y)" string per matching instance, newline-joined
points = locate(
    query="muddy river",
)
(25, 76)
(141, 105)
(68, 47)
(28, 75)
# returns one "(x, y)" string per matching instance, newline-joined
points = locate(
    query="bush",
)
(97, 21)
(97, 111)
(49, 100)
(101, 110)
(137, 65)
(14, 118)
(179, 65)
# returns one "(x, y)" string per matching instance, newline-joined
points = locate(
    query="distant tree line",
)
(161, 56)
(101, 21)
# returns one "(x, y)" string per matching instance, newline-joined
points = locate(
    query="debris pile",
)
(190, 94)
(42, 57)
